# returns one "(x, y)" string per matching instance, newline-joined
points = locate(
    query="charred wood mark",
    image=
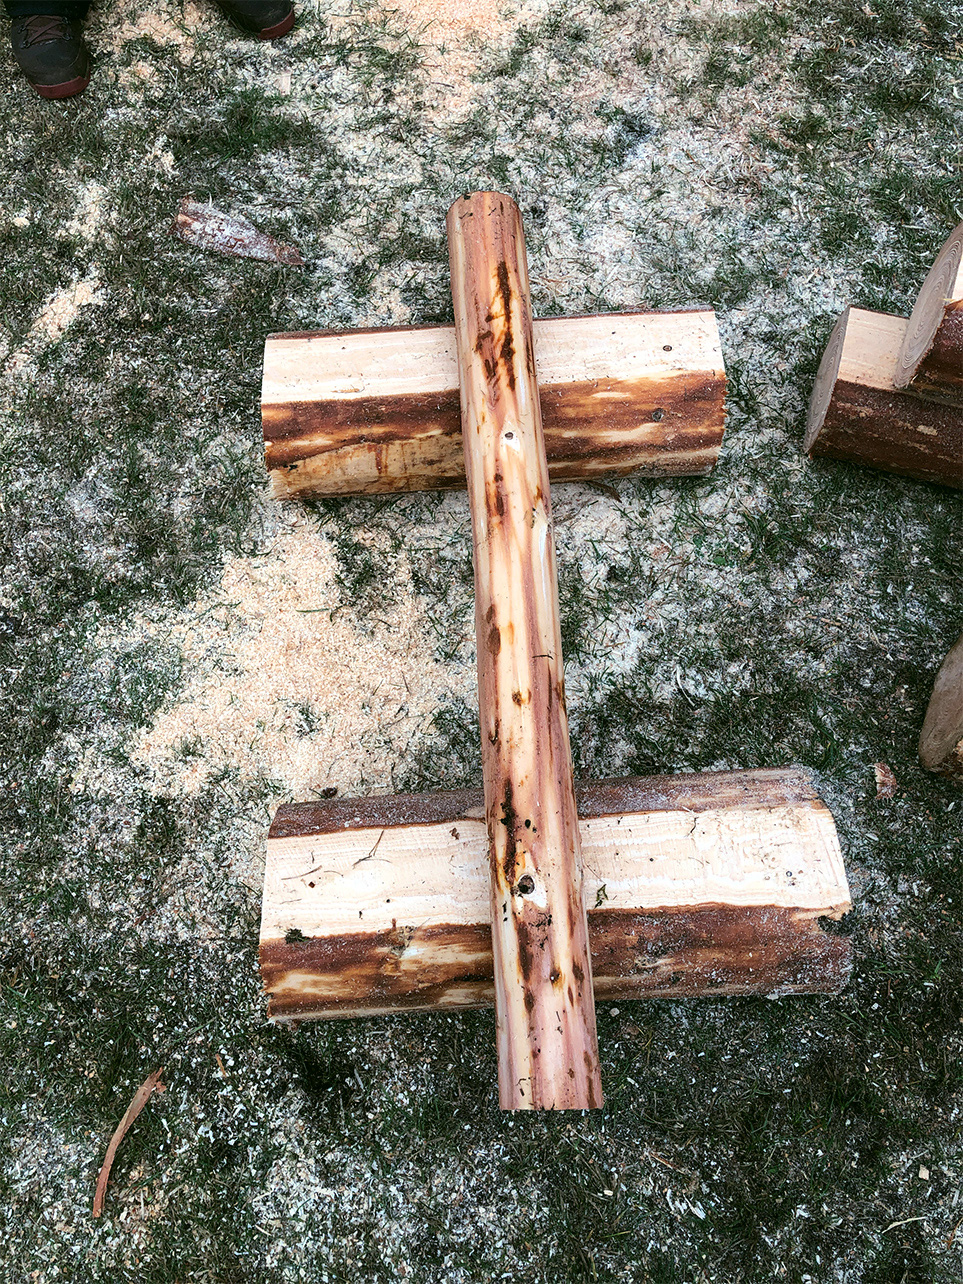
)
(699, 951)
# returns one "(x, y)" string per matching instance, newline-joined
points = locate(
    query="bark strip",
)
(545, 1008)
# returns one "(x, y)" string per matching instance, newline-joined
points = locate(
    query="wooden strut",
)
(857, 414)
(930, 360)
(377, 411)
(941, 740)
(545, 1008)
(701, 885)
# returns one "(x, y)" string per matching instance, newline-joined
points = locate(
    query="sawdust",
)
(60, 310)
(290, 685)
(89, 214)
(160, 28)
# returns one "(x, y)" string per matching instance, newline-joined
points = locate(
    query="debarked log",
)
(715, 883)
(544, 1006)
(930, 361)
(857, 414)
(941, 740)
(368, 412)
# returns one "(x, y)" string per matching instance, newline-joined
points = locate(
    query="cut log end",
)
(930, 359)
(941, 740)
(857, 414)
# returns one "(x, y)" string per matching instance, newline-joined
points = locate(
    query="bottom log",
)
(941, 741)
(708, 884)
(857, 414)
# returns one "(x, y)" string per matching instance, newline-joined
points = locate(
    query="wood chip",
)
(141, 1097)
(211, 229)
(886, 786)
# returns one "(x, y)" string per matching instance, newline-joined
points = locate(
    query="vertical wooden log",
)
(545, 1009)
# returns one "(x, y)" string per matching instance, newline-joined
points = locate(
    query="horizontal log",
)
(930, 361)
(857, 413)
(373, 411)
(941, 740)
(706, 884)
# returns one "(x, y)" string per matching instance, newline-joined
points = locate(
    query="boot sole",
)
(65, 90)
(280, 29)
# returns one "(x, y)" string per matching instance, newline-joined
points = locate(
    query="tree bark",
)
(697, 885)
(930, 361)
(941, 741)
(544, 1004)
(857, 413)
(377, 411)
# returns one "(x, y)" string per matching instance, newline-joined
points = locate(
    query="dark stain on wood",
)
(697, 951)
(506, 350)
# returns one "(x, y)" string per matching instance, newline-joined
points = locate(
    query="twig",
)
(905, 1220)
(141, 1097)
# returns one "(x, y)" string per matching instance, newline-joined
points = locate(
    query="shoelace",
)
(39, 28)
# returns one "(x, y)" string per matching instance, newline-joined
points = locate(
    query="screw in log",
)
(930, 361)
(544, 1003)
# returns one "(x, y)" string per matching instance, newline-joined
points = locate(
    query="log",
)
(700, 885)
(544, 1004)
(941, 740)
(857, 413)
(930, 361)
(374, 411)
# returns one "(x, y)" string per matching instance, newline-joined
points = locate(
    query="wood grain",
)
(708, 884)
(375, 411)
(544, 1005)
(857, 413)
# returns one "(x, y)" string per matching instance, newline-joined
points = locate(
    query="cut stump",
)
(930, 361)
(857, 413)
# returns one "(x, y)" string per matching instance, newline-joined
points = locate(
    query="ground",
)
(181, 652)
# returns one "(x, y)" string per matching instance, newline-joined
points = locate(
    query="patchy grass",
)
(777, 161)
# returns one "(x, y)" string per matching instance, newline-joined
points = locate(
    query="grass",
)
(776, 162)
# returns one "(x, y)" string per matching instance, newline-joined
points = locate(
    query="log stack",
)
(889, 392)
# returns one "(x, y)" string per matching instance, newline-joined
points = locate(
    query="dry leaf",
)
(211, 229)
(141, 1097)
(885, 781)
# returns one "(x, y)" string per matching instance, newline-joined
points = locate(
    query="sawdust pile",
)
(55, 316)
(289, 685)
